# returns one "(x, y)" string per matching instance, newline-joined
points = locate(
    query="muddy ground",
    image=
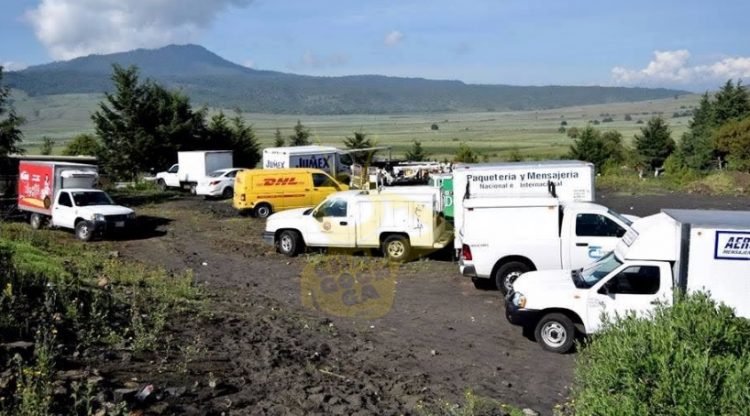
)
(261, 346)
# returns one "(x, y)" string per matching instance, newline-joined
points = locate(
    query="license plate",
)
(119, 223)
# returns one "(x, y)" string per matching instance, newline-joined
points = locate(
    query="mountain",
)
(209, 79)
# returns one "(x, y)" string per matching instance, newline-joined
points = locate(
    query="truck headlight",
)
(99, 217)
(518, 300)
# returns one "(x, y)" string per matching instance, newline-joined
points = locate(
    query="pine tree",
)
(359, 141)
(654, 143)
(464, 154)
(301, 136)
(10, 126)
(416, 153)
(235, 135)
(278, 139)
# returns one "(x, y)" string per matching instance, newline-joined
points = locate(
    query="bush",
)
(690, 359)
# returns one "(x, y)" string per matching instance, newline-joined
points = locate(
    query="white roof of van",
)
(520, 165)
(301, 149)
(710, 218)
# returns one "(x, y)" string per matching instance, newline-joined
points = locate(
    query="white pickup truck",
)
(504, 237)
(400, 224)
(689, 250)
(62, 195)
(192, 167)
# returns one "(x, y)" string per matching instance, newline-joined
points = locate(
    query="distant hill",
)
(209, 79)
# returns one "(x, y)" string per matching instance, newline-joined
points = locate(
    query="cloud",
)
(671, 67)
(393, 38)
(312, 60)
(13, 66)
(72, 28)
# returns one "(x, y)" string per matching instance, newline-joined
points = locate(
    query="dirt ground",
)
(265, 345)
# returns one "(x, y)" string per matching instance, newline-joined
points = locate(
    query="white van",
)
(690, 250)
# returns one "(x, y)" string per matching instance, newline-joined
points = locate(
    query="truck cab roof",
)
(710, 218)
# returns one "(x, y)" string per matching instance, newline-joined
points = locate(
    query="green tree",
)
(731, 103)
(143, 125)
(359, 141)
(47, 145)
(733, 141)
(235, 135)
(573, 132)
(654, 143)
(589, 146)
(10, 126)
(82, 144)
(464, 154)
(416, 152)
(278, 139)
(301, 136)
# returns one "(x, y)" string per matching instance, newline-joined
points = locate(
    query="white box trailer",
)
(193, 166)
(573, 181)
(689, 250)
(327, 158)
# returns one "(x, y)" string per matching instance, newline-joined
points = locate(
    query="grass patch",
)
(718, 183)
(472, 405)
(68, 297)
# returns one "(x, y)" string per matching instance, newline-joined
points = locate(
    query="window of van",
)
(321, 180)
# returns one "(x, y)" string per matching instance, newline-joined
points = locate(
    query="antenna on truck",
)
(552, 189)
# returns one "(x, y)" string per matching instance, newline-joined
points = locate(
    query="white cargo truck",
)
(504, 237)
(62, 195)
(685, 250)
(193, 166)
(330, 159)
(399, 224)
(572, 179)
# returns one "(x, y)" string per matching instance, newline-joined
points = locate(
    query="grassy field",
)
(534, 133)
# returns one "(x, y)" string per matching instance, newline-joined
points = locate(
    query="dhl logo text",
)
(280, 181)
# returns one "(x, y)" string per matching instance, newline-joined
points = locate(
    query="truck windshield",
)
(84, 199)
(620, 217)
(588, 276)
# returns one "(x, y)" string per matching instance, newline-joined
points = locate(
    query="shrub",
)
(689, 359)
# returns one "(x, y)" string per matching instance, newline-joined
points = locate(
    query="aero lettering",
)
(280, 181)
(737, 243)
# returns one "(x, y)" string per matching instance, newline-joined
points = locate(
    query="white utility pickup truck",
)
(400, 224)
(676, 250)
(504, 237)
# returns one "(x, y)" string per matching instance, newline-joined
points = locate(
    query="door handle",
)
(343, 223)
(582, 244)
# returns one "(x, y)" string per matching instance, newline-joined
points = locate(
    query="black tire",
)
(506, 274)
(555, 332)
(84, 230)
(37, 221)
(227, 193)
(161, 185)
(263, 211)
(396, 248)
(289, 243)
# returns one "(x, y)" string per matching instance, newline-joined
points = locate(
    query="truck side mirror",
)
(317, 214)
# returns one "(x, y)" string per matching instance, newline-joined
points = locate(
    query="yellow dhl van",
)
(263, 191)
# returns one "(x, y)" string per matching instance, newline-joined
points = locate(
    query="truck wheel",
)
(84, 230)
(263, 211)
(161, 185)
(397, 248)
(36, 221)
(555, 332)
(289, 243)
(227, 193)
(507, 274)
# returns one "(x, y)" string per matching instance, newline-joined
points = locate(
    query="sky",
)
(687, 44)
